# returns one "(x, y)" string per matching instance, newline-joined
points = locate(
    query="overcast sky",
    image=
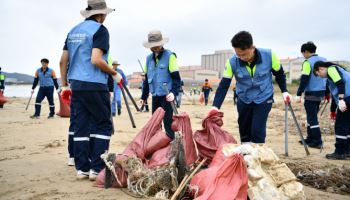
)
(34, 29)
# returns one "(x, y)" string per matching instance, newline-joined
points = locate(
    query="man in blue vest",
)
(161, 70)
(116, 91)
(46, 77)
(315, 90)
(86, 52)
(2, 84)
(253, 69)
(339, 85)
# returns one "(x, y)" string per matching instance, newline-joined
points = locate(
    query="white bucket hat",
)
(115, 63)
(155, 39)
(96, 7)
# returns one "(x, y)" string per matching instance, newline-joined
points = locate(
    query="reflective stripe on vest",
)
(79, 43)
(316, 83)
(158, 74)
(346, 79)
(45, 78)
(258, 88)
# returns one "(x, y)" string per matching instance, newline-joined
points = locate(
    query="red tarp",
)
(3, 99)
(212, 136)
(225, 179)
(64, 104)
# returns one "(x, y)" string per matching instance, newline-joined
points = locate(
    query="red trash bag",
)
(3, 99)
(227, 180)
(182, 123)
(145, 147)
(201, 98)
(211, 137)
(64, 106)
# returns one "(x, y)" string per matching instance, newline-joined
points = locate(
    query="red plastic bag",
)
(201, 98)
(182, 123)
(145, 147)
(211, 137)
(66, 96)
(3, 99)
(64, 107)
(227, 180)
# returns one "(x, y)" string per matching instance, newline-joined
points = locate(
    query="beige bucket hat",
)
(115, 63)
(155, 39)
(96, 7)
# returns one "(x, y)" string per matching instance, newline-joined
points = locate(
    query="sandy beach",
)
(33, 152)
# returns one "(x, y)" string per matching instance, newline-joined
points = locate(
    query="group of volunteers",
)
(85, 71)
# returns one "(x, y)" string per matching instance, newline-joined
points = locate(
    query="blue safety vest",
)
(345, 75)
(258, 88)
(316, 83)
(45, 78)
(158, 74)
(79, 44)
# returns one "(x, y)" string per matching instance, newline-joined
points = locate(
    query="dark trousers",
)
(145, 106)
(206, 97)
(48, 93)
(252, 120)
(168, 117)
(71, 131)
(92, 128)
(313, 128)
(342, 131)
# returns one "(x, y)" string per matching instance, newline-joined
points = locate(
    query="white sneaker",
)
(71, 162)
(93, 175)
(82, 175)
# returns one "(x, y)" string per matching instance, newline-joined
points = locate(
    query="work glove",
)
(333, 115)
(297, 99)
(117, 78)
(142, 102)
(287, 98)
(63, 88)
(213, 110)
(327, 98)
(170, 97)
(342, 105)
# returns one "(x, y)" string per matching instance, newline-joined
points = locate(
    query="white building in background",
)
(197, 73)
(292, 66)
(216, 61)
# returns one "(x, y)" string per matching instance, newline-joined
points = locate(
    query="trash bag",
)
(201, 98)
(64, 106)
(182, 123)
(121, 174)
(149, 145)
(66, 96)
(3, 99)
(212, 136)
(226, 180)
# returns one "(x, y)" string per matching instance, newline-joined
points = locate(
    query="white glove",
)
(297, 99)
(287, 98)
(342, 105)
(63, 88)
(32, 91)
(117, 78)
(142, 102)
(170, 97)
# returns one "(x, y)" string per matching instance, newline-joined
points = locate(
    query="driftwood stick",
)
(186, 180)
